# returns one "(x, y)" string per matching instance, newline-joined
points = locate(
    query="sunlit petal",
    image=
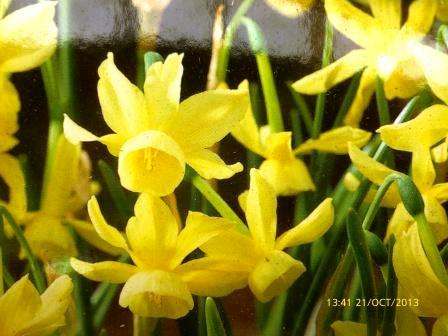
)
(387, 11)
(209, 165)
(9, 109)
(310, 229)
(421, 15)
(162, 89)
(261, 210)
(105, 231)
(324, 79)
(335, 141)
(207, 117)
(28, 37)
(12, 175)
(123, 104)
(107, 271)
(290, 8)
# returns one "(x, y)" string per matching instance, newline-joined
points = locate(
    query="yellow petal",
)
(442, 11)
(362, 98)
(207, 117)
(349, 328)
(273, 275)
(199, 229)
(439, 153)
(231, 244)
(62, 178)
(261, 211)
(87, 232)
(440, 192)
(310, 229)
(416, 277)
(104, 230)
(407, 323)
(425, 130)
(51, 315)
(288, 177)
(151, 162)
(214, 276)
(162, 89)
(12, 175)
(114, 142)
(49, 239)
(404, 80)
(28, 37)
(247, 133)
(435, 67)
(9, 109)
(75, 133)
(122, 103)
(107, 271)
(209, 165)
(290, 8)
(423, 172)
(18, 306)
(358, 26)
(152, 233)
(4, 5)
(387, 11)
(421, 15)
(335, 141)
(324, 79)
(440, 328)
(370, 168)
(399, 223)
(437, 219)
(156, 294)
(278, 146)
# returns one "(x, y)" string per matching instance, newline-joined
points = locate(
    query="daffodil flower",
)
(388, 49)
(24, 313)
(28, 37)
(160, 284)
(155, 135)
(290, 8)
(442, 10)
(64, 197)
(417, 281)
(281, 168)
(270, 270)
(433, 195)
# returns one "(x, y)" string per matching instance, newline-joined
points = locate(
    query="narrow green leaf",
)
(215, 326)
(388, 327)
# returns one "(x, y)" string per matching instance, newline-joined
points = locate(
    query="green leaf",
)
(215, 326)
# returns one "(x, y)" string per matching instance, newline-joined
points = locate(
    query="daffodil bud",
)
(410, 196)
(376, 248)
(152, 57)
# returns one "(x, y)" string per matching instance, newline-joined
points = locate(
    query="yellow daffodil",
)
(24, 313)
(388, 49)
(155, 135)
(433, 195)
(406, 323)
(64, 196)
(290, 8)
(28, 37)
(281, 168)
(160, 285)
(442, 10)
(418, 282)
(270, 270)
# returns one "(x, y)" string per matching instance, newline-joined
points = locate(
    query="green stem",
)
(32, 194)
(303, 108)
(274, 323)
(224, 53)
(213, 197)
(430, 247)
(34, 264)
(215, 327)
(388, 326)
(348, 99)
(144, 326)
(381, 102)
(101, 311)
(258, 46)
(364, 262)
(82, 306)
(327, 55)
(115, 190)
